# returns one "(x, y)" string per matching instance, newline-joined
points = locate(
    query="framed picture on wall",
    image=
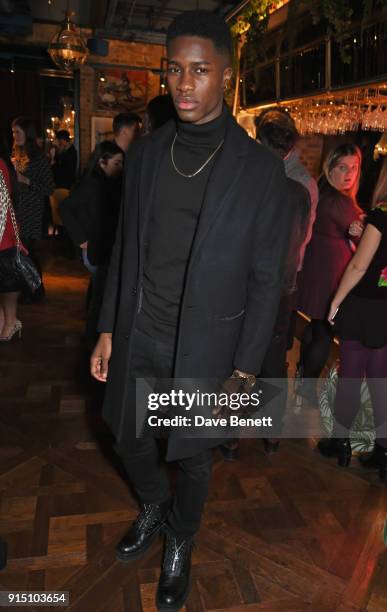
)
(121, 90)
(101, 129)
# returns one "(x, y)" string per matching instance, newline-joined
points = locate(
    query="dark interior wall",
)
(20, 96)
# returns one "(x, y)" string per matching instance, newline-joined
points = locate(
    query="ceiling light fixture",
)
(68, 49)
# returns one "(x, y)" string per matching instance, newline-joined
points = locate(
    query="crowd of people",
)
(199, 260)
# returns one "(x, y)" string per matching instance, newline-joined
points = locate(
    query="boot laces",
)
(148, 517)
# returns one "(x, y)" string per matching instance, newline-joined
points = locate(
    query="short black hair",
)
(275, 128)
(203, 24)
(63, 135)
(125, 120)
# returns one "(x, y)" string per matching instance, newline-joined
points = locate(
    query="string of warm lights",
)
(63, 123)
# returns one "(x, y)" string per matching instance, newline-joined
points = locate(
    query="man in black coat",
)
(194, 282)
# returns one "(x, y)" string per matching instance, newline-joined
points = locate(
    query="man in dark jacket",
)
(64, 162)
(126, 128)
(276, 130)
(194, 282)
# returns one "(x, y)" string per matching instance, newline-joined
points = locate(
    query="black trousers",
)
(141, 459)
(274, 362)
(315, 347)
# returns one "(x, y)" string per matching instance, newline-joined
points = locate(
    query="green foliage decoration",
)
(253, 20)
(251, 24)
(337, 14)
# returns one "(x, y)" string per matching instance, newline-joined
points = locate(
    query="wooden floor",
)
(288, 533)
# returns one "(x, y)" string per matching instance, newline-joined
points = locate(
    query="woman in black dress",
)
(361, 324)
(90, 215)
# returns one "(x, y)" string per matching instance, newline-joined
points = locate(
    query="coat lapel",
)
(158, 145)
(225, 174)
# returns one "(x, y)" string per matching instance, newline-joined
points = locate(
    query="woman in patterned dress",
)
(35, 182)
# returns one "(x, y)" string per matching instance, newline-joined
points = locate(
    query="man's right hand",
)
(99, 361)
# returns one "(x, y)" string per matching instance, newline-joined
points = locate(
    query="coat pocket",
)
(231, 317)
(139, 305)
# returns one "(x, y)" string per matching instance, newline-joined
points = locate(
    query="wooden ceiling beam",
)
(159, 13)
(110, 13)
(97, 14)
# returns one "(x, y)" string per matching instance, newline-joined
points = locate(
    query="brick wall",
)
(310, 148)
(311, 153)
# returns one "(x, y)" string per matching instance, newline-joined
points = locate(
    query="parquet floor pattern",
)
(292, 532)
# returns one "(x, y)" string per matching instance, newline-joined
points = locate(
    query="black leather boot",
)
(372, 460)
(143, 531)
(174, 583)
(336, 447)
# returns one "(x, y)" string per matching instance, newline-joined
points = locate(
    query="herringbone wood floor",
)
(288, 533)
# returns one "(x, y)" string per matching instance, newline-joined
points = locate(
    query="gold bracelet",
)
(248, 379)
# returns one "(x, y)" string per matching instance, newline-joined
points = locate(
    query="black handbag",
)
(17, 270)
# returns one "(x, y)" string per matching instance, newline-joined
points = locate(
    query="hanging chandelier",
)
(68, 49)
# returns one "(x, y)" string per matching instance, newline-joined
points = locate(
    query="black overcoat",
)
(234, 275)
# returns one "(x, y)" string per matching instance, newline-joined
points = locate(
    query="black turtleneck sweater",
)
(173, 222)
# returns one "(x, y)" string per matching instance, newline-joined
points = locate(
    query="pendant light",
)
(68, 49)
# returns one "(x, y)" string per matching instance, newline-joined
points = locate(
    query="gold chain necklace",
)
(201, 167)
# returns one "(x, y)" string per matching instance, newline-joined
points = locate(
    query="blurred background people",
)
(90, 215)
(64, 160)
(126, 128)
(380, 190)
(64, 164)
(361, 324)
(286, 136)
(158, 111)
(276, 131)
(326, 257)
(9, 322)
(35, 183)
